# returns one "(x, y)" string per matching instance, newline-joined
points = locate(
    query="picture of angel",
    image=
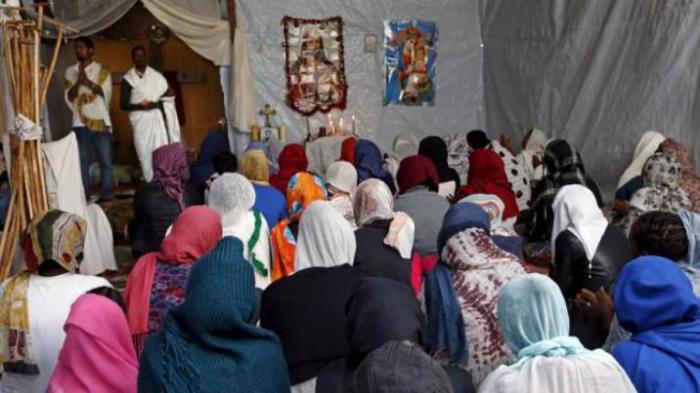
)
(410, 62)
(315, 64)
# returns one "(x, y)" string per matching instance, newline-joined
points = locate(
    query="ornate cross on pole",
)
(268, 112)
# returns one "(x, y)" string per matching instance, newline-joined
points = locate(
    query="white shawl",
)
(325, 238)
(589, 372)
(576, 210)
(646, 147)
(151, 130)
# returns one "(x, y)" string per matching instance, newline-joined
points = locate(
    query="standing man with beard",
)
(88, 93)
(145, 94)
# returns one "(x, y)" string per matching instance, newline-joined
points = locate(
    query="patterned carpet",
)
(120, 213)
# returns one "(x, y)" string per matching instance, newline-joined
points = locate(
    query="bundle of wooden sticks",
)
(28, 80)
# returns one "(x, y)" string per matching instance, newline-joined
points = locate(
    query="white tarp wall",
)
(598, 73)
(459, 98)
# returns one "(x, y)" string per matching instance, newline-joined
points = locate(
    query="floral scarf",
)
(53, 235)
(171, 172)
(661, 191)
(479, 269)
(690, 181)
(303, 189)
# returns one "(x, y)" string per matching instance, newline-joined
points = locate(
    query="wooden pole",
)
(28, 82)
(54, 58)
(232, 19)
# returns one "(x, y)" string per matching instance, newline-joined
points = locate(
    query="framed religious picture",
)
(315, 64)
(410, 54)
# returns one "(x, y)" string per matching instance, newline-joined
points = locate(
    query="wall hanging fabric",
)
(411, 51)
(315, 64)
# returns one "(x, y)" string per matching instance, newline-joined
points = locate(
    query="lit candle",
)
(330, 122)
(353, 124)
(341, 129)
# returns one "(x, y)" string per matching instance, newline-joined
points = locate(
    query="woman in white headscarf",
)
(307, 309)
(325, 239)
(405, 145)
(631, 180)
(385, 237)
(233, 196)
(530, 158)
(588, 252)
(341, 181)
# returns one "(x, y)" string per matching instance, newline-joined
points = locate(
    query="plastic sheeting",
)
(458, 106)
(598, 73)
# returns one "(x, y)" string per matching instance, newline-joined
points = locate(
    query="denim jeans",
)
(4, 205)
(101, 142)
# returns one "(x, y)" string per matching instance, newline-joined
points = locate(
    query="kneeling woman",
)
(534, 321)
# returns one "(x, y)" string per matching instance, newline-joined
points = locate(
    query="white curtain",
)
(210, 37)
(90, 16)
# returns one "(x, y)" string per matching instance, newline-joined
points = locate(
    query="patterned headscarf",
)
(479, 269)
(304, 188)
(254, 166)
(661, 191)
(55, 235)
(171, 172)
(562, 166)
(52, 236)
(690, 181)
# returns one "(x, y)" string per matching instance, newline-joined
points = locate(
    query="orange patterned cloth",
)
(303, 189)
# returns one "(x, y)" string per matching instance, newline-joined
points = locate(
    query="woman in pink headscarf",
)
(97, 355)
(157, 281)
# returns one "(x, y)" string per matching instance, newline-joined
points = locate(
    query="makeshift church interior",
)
(332, 196)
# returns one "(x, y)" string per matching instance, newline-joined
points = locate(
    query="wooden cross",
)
(268, 112)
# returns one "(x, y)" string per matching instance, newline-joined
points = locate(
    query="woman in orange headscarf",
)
(303, 188)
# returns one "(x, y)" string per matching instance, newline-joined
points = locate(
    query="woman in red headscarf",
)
(487, 175)
(347, 150)
(292, 160)
(157, 282)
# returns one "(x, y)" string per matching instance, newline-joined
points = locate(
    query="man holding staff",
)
(145, 94)
(88, 93)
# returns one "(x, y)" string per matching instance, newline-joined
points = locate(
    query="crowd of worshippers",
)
(440, 266)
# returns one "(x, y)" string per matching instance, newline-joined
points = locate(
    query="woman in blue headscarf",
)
(214, 331)
(655, 301)
(370, 164)
(215, 143)
(534, 320)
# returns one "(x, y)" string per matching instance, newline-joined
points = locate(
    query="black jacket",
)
(376, 259)
(155, 211)
(572, 273)
(307, 312)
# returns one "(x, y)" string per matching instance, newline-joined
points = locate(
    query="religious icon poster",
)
(410, 54)
(315, 64)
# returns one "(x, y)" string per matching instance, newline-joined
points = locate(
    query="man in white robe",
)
(145, 94)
